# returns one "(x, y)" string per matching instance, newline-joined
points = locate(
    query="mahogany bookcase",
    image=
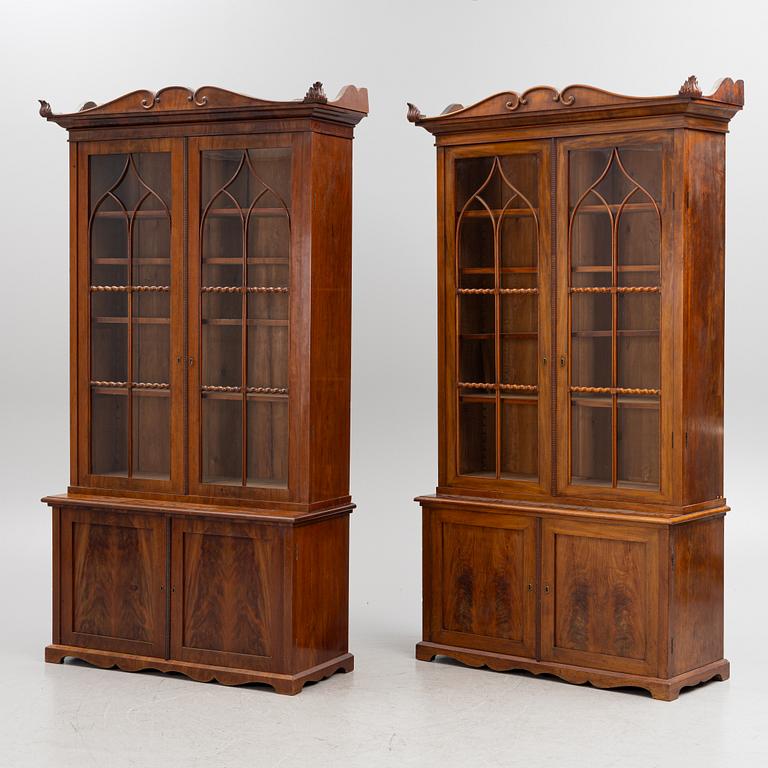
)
(205, 529)
(577, 528)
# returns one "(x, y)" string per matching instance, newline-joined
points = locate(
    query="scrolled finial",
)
(316, 94)
(413, 113)
(45, 108)
(690, 87)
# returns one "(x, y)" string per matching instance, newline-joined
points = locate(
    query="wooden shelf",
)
(223, 260)
(243, 212)
(518, 478)
(103, 320)
(614, 207)
(502, 270)
(140, 214)
(504, 334)
(136, 261)
(621, 268)
(476, 213)
(635, 401)
(598, 334)
(238, 321)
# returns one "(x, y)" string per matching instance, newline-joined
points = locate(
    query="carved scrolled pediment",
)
(548, 103)
(176, 102)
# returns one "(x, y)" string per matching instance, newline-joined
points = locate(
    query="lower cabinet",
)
(207, 595)
(587, 599)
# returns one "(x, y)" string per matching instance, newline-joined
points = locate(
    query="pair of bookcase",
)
(577, 525)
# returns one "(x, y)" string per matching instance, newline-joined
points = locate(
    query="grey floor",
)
(392, 710)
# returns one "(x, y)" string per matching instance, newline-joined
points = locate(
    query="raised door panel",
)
(599, 600)
(226, 598)
(113, 569)
(245, 264)
(615, 316)
(130, 319)
(483, 571)
(496, 317)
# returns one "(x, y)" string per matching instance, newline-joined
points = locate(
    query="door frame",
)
(176, 481)
(299, 313)
(448, 396)
(668, 246)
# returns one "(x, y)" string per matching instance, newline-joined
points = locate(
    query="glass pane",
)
(638, 349)
(129, 235)
(475, 243)
(519, 331)
(268, 442)
(477, 362)
(223, 439)
(222, 339)
(638, 238)
(477, 437)
(638, 438)
(151, 434)
(591, 440)
(518, 240)
(245, 251)
(519, 440)
(109, 433)
(591, 239)
(268, 354)
(473, 183)
(477, 314)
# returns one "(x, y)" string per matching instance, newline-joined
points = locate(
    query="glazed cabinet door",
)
(615, 316)
(227, 586)
(482, 584)
(600, 595)
(129, 315)
(495, 312)
(113, 593)
(243, 366)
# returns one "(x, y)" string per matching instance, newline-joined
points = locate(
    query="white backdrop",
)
(431, 53)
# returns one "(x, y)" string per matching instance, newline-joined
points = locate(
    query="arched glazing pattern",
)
(497, 263)
(245, 225)
(129, 231)
(614, 252)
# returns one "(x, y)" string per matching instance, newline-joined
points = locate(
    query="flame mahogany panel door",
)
(600, 595)
(130, 319)
(483, 577)
(113, 584)
(226, 604)
(496, 394)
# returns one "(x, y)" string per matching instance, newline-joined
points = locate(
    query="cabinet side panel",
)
(704, 268)
(56, 575)
(696, 604)
(320, 592)
(74, 478)
(331, 316)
